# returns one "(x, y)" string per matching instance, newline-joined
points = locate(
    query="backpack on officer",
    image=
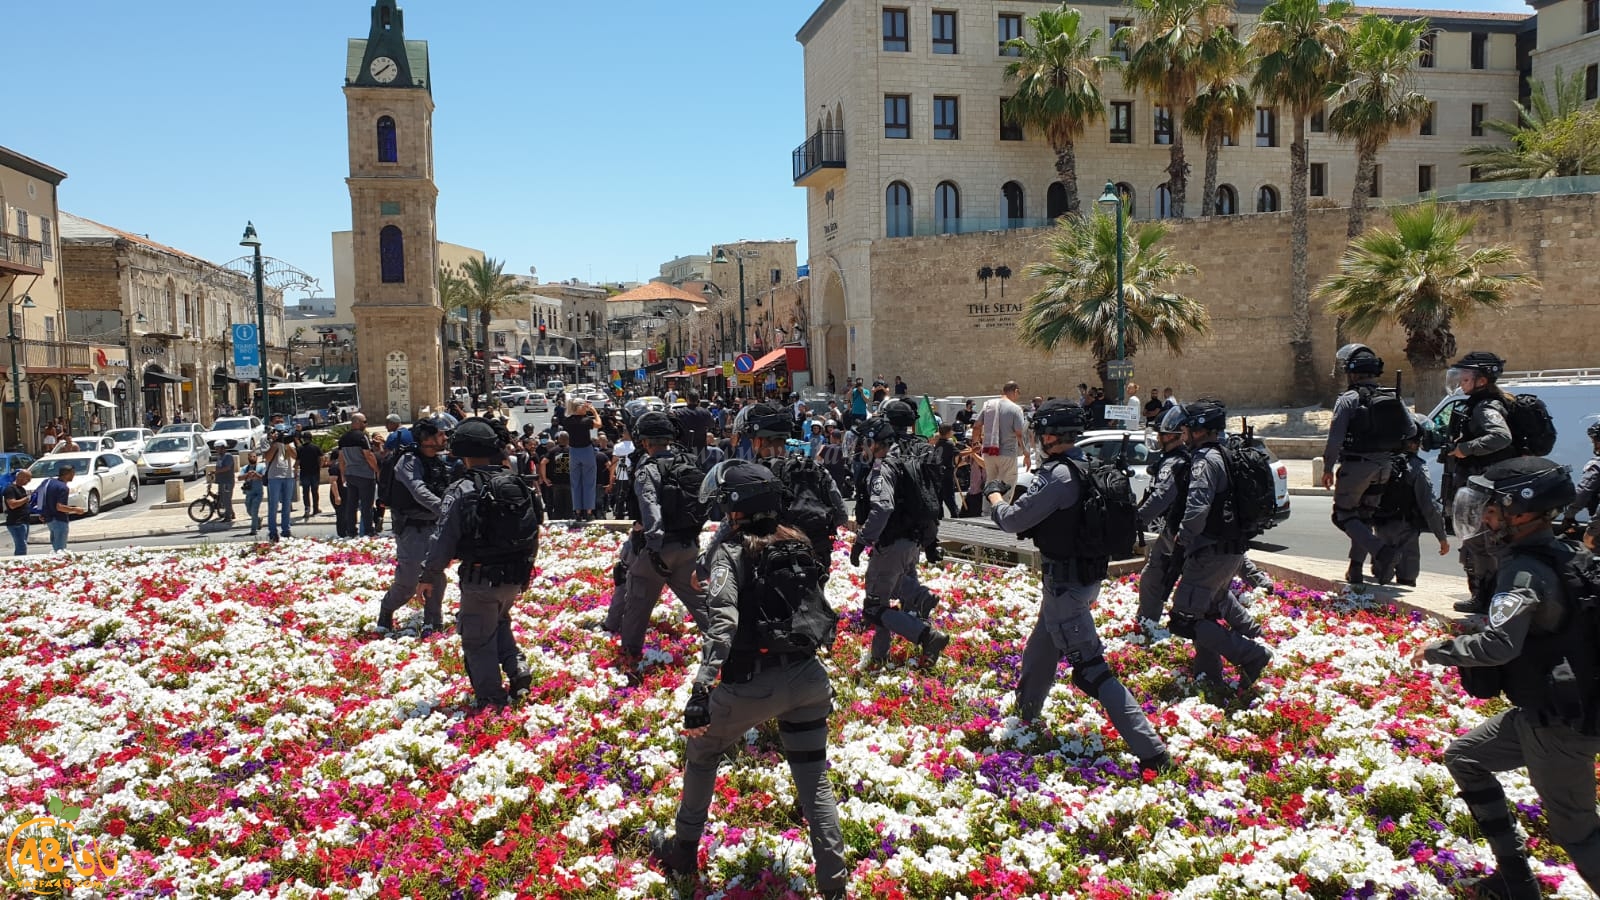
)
(785, 600)
(1252, 482)
(682, 511)
(501, 524)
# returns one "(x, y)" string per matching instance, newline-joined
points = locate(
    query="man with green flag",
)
(927, 422)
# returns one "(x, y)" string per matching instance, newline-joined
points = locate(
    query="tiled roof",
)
(1443, 13)
(657, 291)
(77, 228)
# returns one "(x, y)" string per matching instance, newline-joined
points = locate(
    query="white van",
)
(554, 386)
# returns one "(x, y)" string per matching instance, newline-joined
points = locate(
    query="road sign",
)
(641, 376)
(246, 353)
(1128, 413)
(1119, 369)
(689, 361)
(727, 370)
(744, 363)
(747, 380)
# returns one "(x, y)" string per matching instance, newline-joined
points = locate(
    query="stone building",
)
(905, 139)
(175, 311)
(580, 328)
(1568, 43)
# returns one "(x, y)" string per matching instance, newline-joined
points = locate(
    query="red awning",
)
(699, 373)
(771, 360)
(511, 362)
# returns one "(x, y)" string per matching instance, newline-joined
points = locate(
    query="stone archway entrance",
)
(835, 331)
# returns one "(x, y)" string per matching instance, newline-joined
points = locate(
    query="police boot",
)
(1354, 574)
(680, 858)
(1472, 606)
(1513, 879)
(933, 641)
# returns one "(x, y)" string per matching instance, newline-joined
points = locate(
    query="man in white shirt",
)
(1001, 430)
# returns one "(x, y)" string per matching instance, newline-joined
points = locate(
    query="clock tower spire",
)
(393, 218)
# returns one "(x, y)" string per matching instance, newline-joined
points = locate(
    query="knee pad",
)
(872, 611)
(1182, 625)
(1089, 675)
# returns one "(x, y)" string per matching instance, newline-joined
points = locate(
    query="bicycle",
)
(204, 509)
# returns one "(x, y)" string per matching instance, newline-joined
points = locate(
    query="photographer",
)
(280, 461)
(308, 459)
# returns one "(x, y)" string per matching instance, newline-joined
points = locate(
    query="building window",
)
(1163, 202)
(896, 116)
(392, 255)
(1427, 120)
(1267, 199)
(1319, 180)
(1055, 200)
(1016, 208)
(388, 149)
(1424, 179)
(1480, 50)
(1227, 200)
(1591, 82)
(1319, 120)
(49, 249)
(1477, 119)
(897, 210)
(1118, 40)
(946, 208)
(1121, 121)
(1377, 181)
(1473, 174)
(1266, 126)
(946, 119)
(944, 32)
(1428, 43)
(1009, 28)
(22, 224)
(1009, 130)
(1163, 129)
(183, 313)
(895, 39)
(1591, 15)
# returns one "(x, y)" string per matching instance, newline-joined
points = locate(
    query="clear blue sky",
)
(592, 140)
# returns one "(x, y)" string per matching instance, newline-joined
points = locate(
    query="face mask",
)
(1467, 511)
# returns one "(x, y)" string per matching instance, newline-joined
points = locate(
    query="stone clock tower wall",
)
(393, 200)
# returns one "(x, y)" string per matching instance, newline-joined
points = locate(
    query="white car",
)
(238, 432)
(511, 394)
(130, 441)
(174, 455)
(89, 444)
(98, 478)
(194, 428)
(536, 401)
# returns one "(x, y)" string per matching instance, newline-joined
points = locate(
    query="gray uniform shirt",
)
(647, 489)
(1344, 409)
(1422, 488)
(1208, 481)
(1488, 421)
(1164, 490)
(408, 472)
(1588, 489)
(725, 563)
(1053, 488)
(880, 493)
(1527, 596)
(447, 534)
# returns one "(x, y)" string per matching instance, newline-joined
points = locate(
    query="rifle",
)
(1121, 464)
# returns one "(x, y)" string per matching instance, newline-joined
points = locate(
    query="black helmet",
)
(1594, 431)
(744, 487)
(1061, 418)
(767, 420)
(876, 430)
(654, 425)
(1527, 484)
(1207, 415)
(1481, 362)
(899, 413)
(475, 437)
(423, 429)
(1357, 359)
(1171, 421)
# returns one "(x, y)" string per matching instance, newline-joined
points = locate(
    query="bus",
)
(297, 400)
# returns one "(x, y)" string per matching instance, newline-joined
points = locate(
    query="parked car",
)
(88, 443)
(511, 394)
(461, 394)
(536, 401)
(10, 465)
(177, 454)
(130, 441)
(238, 432)
(104, 477)
(637, 407)
(194, 428)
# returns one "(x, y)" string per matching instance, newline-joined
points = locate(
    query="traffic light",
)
(541, 332)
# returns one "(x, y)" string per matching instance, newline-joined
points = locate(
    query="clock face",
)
(384, 70)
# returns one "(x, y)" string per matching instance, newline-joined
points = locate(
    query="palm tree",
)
(1547, 141)
(1057, 77)
(1222, 107)
(1378, 101)
(487, 290)
(452, 292)
(1078, 303)
(1420, 277)
(1300, 49)
(1167, 61)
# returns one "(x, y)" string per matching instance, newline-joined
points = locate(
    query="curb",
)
(1310, 492)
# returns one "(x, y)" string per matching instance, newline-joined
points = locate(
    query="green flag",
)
(927, 425)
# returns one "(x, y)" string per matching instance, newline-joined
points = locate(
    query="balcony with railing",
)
(20, 256)
(44, 357)
(822, 150)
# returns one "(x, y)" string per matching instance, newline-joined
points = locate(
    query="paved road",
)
(1310, 532)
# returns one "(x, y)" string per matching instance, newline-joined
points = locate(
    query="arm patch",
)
(1503, 607)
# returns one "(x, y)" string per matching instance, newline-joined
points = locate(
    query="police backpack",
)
(806, 497)
(914, 469)
(785, 597)
(1108, 511)
(501, 520)
(1533, 431)
(1381, 423)
(1252, 498)
(1398, 497)
(682, 512)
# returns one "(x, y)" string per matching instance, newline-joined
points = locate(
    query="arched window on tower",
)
(946, 208)
(388, 146)
(1015, 207)
(392, 255)
(1055, 200)
(1267, 199)
(1227, 200)
(897, 210)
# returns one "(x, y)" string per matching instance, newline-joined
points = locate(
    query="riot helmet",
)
(1594, 431)
(1527, 484)
(654, 425)
(1357, 359)
(900, 414)
(1478, 363)
(1061, 418)
(876, 430)
(1205, 415)
(766, 420)
(741, 486)
(1171, 421)
(475, 437)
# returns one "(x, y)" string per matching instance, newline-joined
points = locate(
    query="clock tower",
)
(399, 324)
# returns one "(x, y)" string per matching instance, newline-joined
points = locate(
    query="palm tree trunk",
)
(1305, 374)
(1177, 167)
(1366, 167)
(1067, 174)
(1213, 143)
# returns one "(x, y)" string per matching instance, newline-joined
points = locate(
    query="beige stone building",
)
(904, 139)
(1568, 43)
(46, 373)
(580, 325)
(175, 310)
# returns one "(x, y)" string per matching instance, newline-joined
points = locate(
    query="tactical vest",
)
(1466, 430)
(1173, 517)
(1056, 536)
(435, 475)
(1222, 523)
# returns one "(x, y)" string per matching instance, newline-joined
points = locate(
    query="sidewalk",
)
(156, 522)
(1300, 483)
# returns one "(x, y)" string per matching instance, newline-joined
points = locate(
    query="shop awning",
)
(156, 379)
(770, 361)
(698, 373)
(553, 361)
(98, 402)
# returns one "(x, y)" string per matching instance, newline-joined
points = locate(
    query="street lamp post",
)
(1113, 198)
(135, 389)
(16, 373)
(252, 241)
(722, 259)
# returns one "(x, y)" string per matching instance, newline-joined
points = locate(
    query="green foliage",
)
(1378, 100)
(1056, 81)
(1551, 139)
(1301, 45)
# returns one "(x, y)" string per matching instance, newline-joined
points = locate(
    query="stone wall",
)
(934, 325)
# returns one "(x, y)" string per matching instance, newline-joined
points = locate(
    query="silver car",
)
(176, 455)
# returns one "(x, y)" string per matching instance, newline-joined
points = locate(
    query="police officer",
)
(1212, 552)
(490, 582)
(658, 558)
(1049, 513)
(897, 540)
(1588, 493)
(1480, 437)
(1511, 507)
(1363, 460)
(1407, 506)
(1163, 507)
(756, 686)
(768, 429)
(421, 479)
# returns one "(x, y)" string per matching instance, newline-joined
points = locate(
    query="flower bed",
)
(231, 728)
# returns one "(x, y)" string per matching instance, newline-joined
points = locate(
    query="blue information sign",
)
(641, 375)
(246, 352)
